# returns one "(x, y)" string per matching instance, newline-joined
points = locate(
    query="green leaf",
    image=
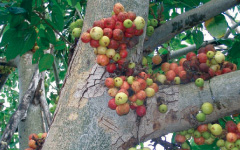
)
(198, 38)
(217, 26)
(226, 42)
(16, 20)
(234, 52)
(45, 62)
(7, 36)
(37, 4)
(3, 17)
(49, 34)
(35, 20)
(6, 4)
(78, 6)
(204, 1)
(27, 5)
(29, 40)
(37, 55)
(14, 48)
(16, 10)
(74, 2)
(59, 45)
(69, 2)
(163, 51)
(45, 41)
(19, 40)
(57, 17)
(173, 137)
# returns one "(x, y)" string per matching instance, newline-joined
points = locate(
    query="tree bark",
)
(82, 119)
(33, 122)
(184, 102)
(186, 21)
(19, 114)
(79, 117)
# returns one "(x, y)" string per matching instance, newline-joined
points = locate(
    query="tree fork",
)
(83, 97)
(82, 119)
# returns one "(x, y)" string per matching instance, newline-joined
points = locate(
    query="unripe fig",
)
(139, 22)
(76, 32)
(96, 33)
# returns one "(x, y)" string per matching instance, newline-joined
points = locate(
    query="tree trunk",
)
(82, 119)
(82, 114)
(33, 122)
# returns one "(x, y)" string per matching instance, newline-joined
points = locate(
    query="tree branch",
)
(20, 113)
(229, 31)
(191, 48)
(227, 13)
(187, 20)
(10, 63)
(55, 71)
(44, 104)
(185, 101)
(185, 50)
(3, 79)
(79, 14)
(56, 31)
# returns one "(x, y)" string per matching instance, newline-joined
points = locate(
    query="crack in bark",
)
(210, 88)
(92, 82)
(105, 123)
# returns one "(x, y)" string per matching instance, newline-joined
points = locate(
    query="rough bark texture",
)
(19, 114)
(185, 101)
(82, 120)
(44, 104)
(187, 20)
(33, 122)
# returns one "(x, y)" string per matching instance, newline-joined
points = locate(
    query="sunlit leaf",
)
(217, 26)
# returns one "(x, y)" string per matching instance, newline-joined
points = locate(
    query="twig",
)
(185, 50)
(152, 13)
(56, 31)
(79, 14)
(43, 122)
(1, 32)
(3, 79)
(55, 71)
(231, 28)
(64, 62)
(20, 113)
(229, 16)
(44, 104)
